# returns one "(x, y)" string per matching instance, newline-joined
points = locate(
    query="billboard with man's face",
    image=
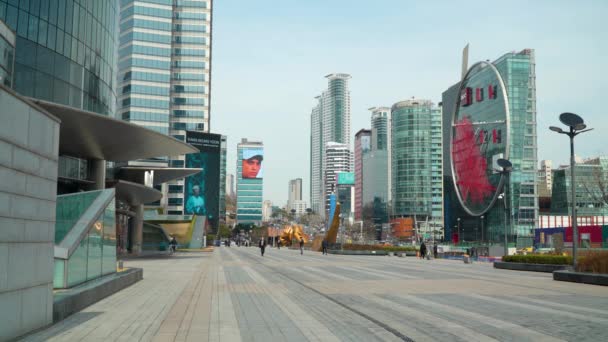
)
(252, 163)
(202, 190)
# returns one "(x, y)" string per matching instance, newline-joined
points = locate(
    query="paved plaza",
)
(234, 294)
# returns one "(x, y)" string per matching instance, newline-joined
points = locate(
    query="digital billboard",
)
(202, 190)
(346, 178)
(252, 163)
(479, 137)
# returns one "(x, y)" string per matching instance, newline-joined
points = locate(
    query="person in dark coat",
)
(422, 250)
(324, 245)
(301, 246)
(435, 251)
(262, 245)
(173, 244)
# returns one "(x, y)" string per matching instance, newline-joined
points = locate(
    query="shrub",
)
(593, 261)
(539, 259)
(359, 247)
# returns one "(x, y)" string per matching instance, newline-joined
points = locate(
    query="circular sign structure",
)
(479, 136)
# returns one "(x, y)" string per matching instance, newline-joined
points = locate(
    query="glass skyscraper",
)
(164, 73)
(517, 70)
(417, 187)
(65, 51)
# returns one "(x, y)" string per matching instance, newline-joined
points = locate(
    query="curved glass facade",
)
(417, 187)
(65, 51)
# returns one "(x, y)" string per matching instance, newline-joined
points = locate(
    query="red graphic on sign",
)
(469, 164)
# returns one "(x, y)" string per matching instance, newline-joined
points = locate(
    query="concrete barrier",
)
(517, 266)
(580, 277)
(75, 299)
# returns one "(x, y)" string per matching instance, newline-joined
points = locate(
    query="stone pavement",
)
(234, 294)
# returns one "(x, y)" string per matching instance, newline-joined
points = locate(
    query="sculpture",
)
(290, 233)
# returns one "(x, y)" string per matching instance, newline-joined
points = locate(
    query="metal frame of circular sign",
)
(507, 134)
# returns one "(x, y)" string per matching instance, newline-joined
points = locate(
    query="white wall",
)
(29, 143)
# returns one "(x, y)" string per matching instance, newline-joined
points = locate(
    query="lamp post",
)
(507, 167)
(482, 239)
(577, 126)
(459, 236)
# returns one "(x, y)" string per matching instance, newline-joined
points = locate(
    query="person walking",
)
(279, 244)
(435, 251)
(324, 245)
(301, 246)
(262, 245)
(172, 245)
(422, 250)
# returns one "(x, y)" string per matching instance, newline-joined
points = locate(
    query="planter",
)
(516, 266)
(347, 252)
(580, 277)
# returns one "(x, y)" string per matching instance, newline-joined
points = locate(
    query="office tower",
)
(517, 72)
(230, 185)
(249, 182)
(330, 122)
(338, 158)
(164, 64)
(544, 178)
(417, 188)
(266, 210)
(591, 190)
(223, 151)
(294, 192)
(363, 146)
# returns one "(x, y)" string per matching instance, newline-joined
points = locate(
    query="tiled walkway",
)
(233, 294)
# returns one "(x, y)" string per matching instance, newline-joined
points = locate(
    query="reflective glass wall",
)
(65, 51)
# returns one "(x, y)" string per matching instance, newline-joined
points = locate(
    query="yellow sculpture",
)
(332, 233)
(290, 233)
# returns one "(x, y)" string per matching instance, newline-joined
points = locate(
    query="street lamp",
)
(482, 239)
(577, 126)
(507, 167)
(459, 236)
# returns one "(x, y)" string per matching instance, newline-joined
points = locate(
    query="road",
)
(234, 294)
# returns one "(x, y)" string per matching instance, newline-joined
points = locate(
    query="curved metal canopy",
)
(161, 174)
(135, 194)
(90, 135)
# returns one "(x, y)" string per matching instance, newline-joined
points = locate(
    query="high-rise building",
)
(230, 185)
(294, 192)
(249, 182)
(380, 128)
(223, 151)
(417, 187)
(338, 158)
(363, 146)
(7, 51)
(330, 122)
(544, 178)
(591, 191)
(164, 74)
(517, 71)
(266, 210)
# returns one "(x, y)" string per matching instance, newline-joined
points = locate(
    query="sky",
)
(270, 58)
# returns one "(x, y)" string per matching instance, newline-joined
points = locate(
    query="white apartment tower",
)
(337, 158)
(330, 122)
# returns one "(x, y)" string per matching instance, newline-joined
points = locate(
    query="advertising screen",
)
(479, 137)
(252, 163)
(346, 178)
(202, 190)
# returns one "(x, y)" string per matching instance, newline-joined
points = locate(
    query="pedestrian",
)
(279, 244)
(435, 251)
(262, 245)
(324, 245)
(173, 244)
(422, 250)
(301, 246)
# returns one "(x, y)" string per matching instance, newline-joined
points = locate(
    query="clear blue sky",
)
(270, 58)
